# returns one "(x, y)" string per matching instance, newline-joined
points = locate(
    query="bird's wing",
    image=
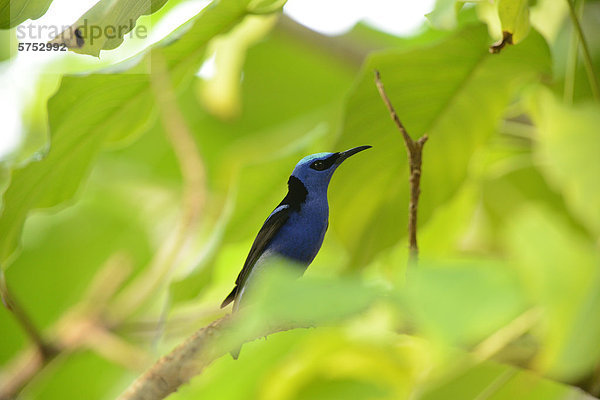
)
(271, 226)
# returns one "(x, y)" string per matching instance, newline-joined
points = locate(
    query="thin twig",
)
(75, 329)
(507, 334)
(46, 350)
(415, 151)
(587, 59)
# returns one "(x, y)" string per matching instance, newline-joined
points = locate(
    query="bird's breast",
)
(301, 237)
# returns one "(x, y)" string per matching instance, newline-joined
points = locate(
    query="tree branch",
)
(197, 352)
(177, 367)
(414, 150)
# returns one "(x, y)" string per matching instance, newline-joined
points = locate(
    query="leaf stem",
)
(571, 68)
(46, 350)
(587, 59)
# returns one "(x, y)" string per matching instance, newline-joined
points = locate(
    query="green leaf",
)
(281, 296)
(82, 115)
(88, 111)
(79, 375)
(12, 12)
(444, 14)
(310, 364)
(265, 6)
(462, 303)
(65, 250)
(568, 152)
(104, 25)
(489, 380)
(514, 17)
(553, 259)
(454, 91)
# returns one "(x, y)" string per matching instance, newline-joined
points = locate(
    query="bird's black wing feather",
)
(266, 233)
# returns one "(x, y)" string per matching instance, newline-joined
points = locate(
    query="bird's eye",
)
(319, 165)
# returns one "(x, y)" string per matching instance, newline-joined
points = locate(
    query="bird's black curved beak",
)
(345, 154)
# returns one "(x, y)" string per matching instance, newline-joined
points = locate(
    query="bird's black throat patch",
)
(296, 194)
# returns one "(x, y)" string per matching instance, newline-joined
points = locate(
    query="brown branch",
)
(181, 364)
(414, 150)
(197, 352)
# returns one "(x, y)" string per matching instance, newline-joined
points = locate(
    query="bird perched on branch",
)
(295, 230)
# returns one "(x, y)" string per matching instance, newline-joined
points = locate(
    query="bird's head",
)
(315, 171)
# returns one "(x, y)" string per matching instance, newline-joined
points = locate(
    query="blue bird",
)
(295, 230)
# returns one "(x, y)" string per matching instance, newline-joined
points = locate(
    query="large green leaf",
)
(568, 150)
(97, 379)
(454, 91)
(12, 12)
(462, 303)
(489, 380)
(104, 25)
(74, 243)
(559, 268)
(82, 114)
(88, 111)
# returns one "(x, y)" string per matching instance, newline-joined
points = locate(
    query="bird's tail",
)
(230, 297)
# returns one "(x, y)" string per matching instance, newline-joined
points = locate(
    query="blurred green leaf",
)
(314, 364)
(104, 26)
(511, 177)
(7, 49)
(82, 115)
(489, 380)
(462, 303)
(65, 250)
(444, 13)
(88, 111)
(281, 296)
(568, 149)
(559, 268)
(12, 12)
(514, 17)
(78, 376)
(265, 6)
(443, 90)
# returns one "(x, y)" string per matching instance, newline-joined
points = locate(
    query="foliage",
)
(12, 13)
(503, 301)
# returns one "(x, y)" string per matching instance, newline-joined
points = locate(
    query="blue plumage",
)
(296, 228)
